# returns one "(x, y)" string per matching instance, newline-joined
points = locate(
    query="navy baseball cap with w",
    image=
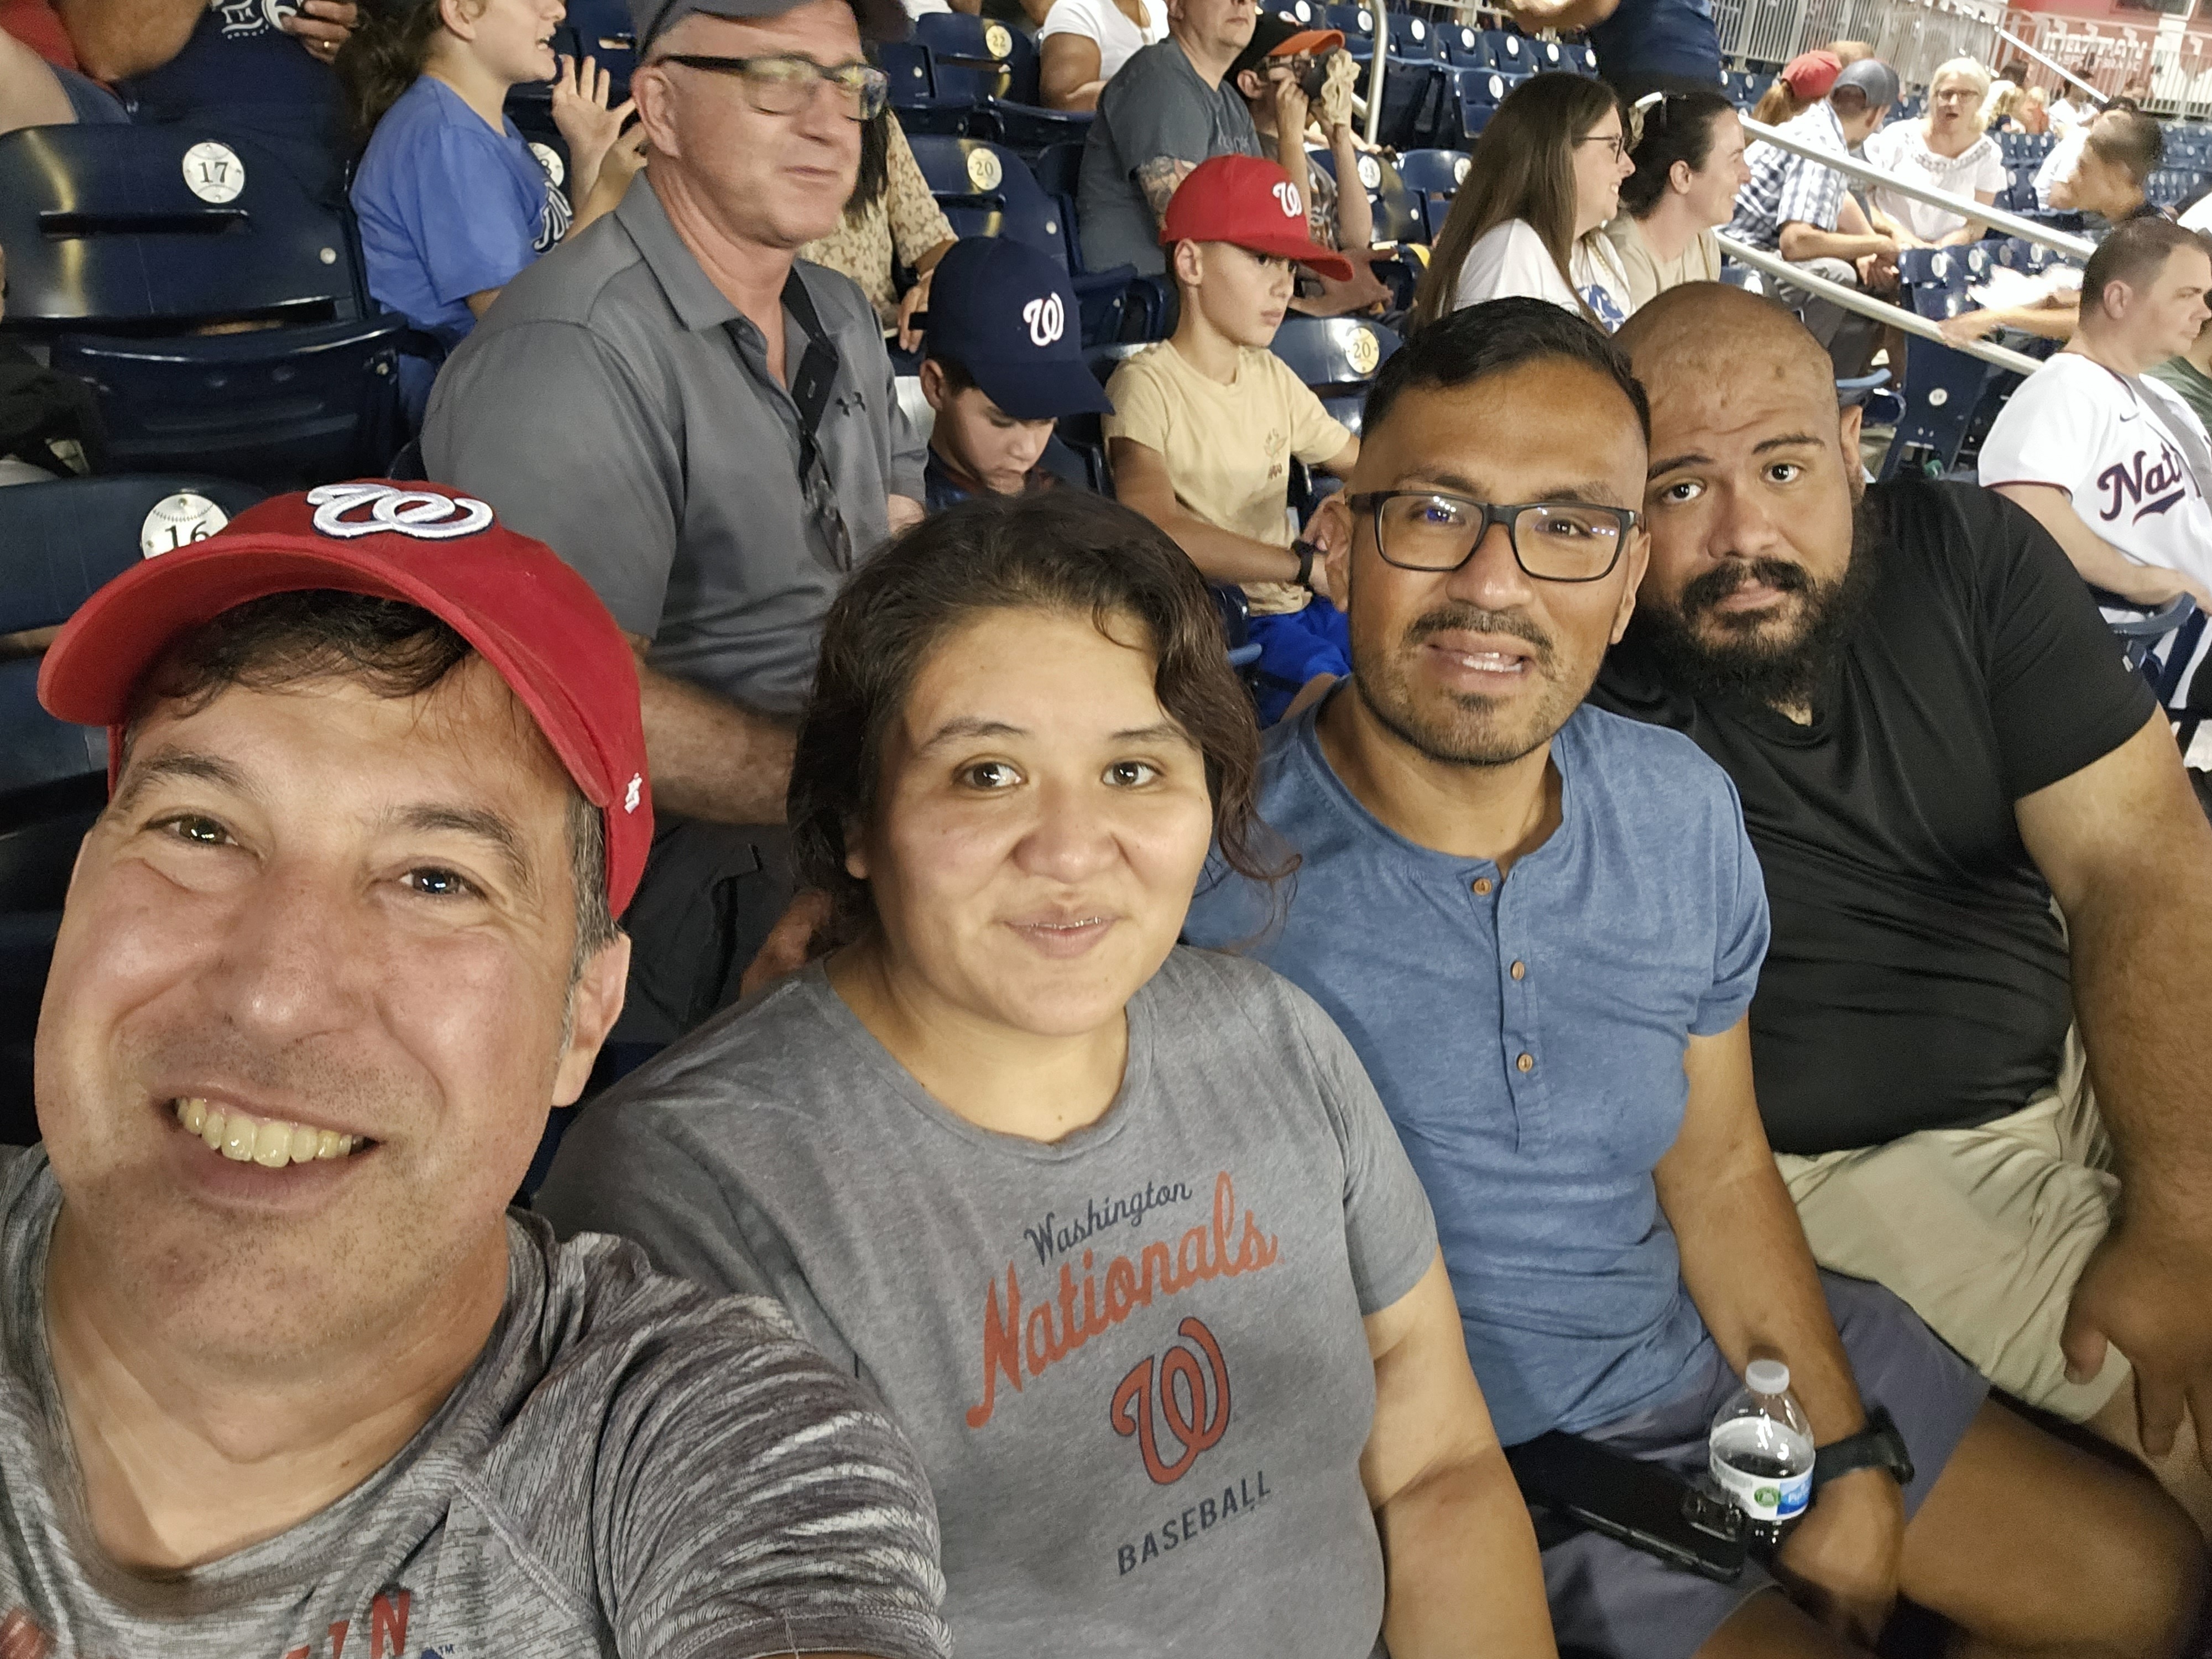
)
(1004, 312)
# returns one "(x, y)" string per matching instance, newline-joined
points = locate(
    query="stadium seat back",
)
(1005, 58)
(111, 226)
(1413, 38)
(602, 31)
(985, 190)
(279, 408)
(1356, 24)
(1466, 48)
(1434, 172)
(1334, 354)
(906, 63)
(1942, 390)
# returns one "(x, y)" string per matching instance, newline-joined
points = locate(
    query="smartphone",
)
(1643, 1505)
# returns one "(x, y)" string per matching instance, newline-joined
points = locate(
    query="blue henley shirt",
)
(1525, 1034)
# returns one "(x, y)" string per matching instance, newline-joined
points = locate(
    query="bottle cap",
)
(1767, 1376)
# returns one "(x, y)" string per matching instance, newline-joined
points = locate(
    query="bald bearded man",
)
(1933, 737)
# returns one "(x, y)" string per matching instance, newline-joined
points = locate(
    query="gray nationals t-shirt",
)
(632, 1467)
(1131, 1359)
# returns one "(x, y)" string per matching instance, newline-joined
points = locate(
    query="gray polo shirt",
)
(602, 407)
(1156, 106)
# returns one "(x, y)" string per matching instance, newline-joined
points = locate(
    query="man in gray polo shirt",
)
(1171, 107)
(709, 434)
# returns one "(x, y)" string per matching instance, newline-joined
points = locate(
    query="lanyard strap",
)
(817, 366)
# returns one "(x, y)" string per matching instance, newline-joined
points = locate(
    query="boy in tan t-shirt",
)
(1205, 423)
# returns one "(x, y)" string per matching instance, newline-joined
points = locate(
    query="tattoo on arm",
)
(1159, 178)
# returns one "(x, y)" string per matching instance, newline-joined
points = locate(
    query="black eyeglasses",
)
(1553, 541)
(1616, 141)
(782, 84)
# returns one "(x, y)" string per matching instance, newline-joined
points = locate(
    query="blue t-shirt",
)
(1660, 37)
(1642, 920)
(239, 71)
(449, 208)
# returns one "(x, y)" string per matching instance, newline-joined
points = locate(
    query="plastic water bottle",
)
(1762, 1451)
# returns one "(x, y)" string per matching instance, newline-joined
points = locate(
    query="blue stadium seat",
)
(217, 307)
(104, 226)
(990, 69)
(1357, 25)
(1337, 357)
(1432, 178)
(1943, 388)
(907, 65)
(1398, 212)
(59, 543)
(1466, 48)
(1476, 96)
(1413, 39)
(1508, 51)
(282, 409)
(2144, 630)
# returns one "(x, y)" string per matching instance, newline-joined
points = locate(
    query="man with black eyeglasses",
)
(708, 431)
(1541, 926)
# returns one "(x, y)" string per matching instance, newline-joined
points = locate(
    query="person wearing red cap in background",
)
(1205, 424)
(1803, 82)
(1295, 80)
(276, 1364)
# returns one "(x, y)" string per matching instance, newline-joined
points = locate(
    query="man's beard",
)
(1705, 650)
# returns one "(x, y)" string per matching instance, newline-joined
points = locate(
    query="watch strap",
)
(1307, 552)
(1877, 1446)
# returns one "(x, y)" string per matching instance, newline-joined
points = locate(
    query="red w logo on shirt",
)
(1196, 1416)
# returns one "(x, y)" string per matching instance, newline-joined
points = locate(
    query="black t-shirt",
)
(1918, 977)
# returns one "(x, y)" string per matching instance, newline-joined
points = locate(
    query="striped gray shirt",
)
(633, 1466)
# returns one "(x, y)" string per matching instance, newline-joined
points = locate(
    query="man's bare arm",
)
(1799, 242)
(1750, 1272)
(2100, 563)
(2128, 855)
(1561, 14)
(711, 759)
(117, 39)
(1159, 178)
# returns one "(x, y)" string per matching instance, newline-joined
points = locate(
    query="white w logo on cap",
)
(422, 514)
(1286, 193)
(1046, 317)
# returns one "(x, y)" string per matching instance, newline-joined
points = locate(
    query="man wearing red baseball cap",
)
(276, 1367)
(1205, 424)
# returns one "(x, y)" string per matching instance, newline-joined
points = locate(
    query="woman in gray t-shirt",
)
(1118, 1230)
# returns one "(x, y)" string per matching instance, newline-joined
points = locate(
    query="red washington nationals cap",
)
(1252, 203)
(535, 620)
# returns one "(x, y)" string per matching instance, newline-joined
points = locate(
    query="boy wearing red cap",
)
(1205, 423)
(277, 1367)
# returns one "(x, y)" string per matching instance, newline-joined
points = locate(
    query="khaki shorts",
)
(1982, 1232)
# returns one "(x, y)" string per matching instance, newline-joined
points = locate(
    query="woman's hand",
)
(321, 25)
(587, 126)
(616, 168)
(914, 298)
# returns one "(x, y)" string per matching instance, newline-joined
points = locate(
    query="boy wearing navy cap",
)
(1003, 362)
(1205, 423)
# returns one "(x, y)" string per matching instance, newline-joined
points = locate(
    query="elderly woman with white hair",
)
(1948, 150)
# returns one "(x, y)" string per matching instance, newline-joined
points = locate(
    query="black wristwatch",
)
(1308, 553)
(1877, 1446)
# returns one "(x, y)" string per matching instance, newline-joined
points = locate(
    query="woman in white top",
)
(1528, 220)
(1948, 150)
(1689, 167)
(1084, 44)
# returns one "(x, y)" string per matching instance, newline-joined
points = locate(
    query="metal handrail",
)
(1866, 304)
(2051, 63)
(1985, 213)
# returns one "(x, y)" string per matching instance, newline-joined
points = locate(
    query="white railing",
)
(1866, 304)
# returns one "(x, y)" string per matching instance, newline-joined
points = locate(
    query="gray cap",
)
(879, 20)
(1873, 77)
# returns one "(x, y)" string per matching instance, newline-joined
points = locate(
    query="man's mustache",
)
(1471, 619)
(1704, 592)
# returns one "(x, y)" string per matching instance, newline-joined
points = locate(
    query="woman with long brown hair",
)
(1092, 1212)
(1544, 182)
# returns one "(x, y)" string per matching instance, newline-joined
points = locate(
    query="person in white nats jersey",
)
(2113, 463)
